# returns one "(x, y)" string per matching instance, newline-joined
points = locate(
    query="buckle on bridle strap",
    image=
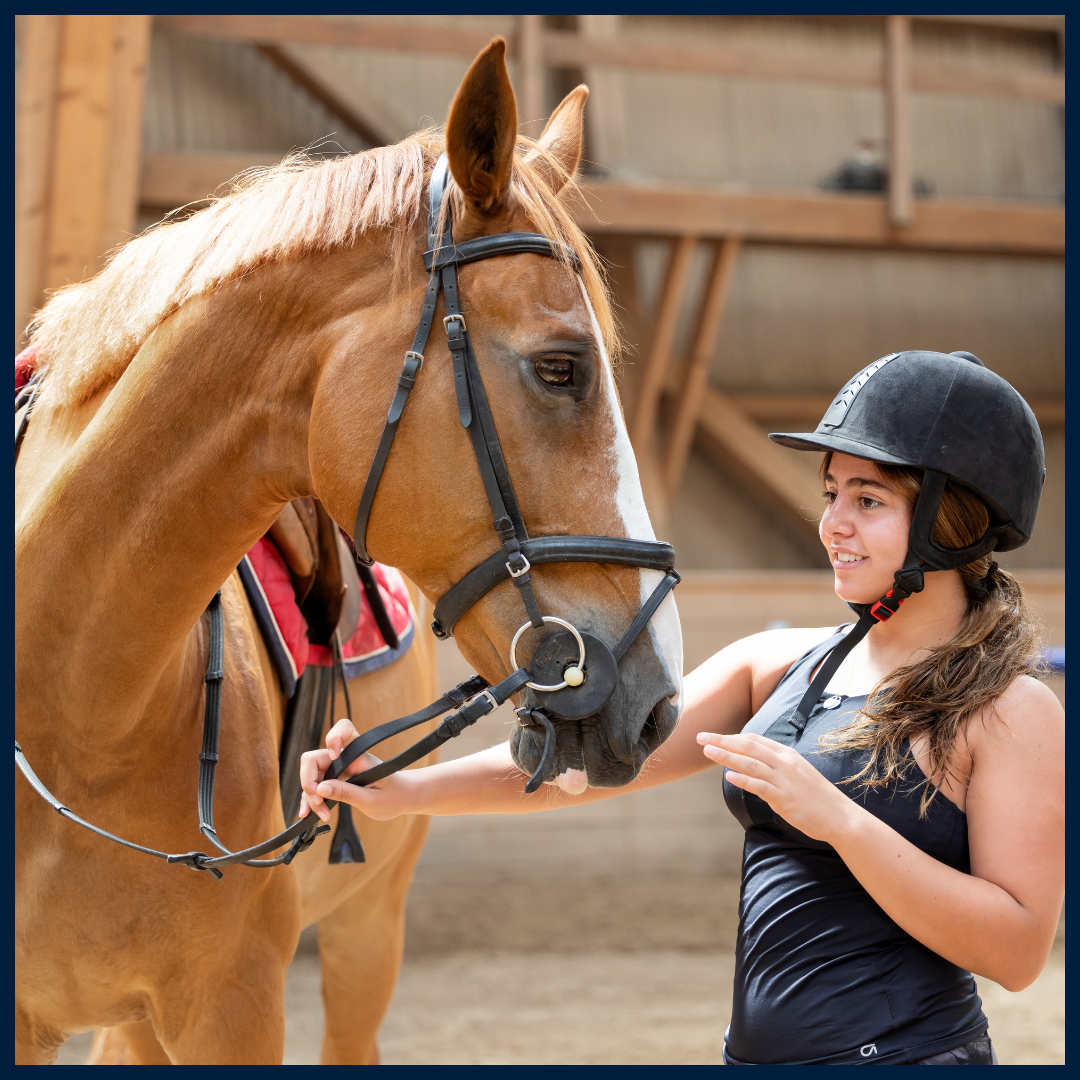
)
(525, 568)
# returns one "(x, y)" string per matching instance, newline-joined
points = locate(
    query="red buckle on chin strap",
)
(887, 606)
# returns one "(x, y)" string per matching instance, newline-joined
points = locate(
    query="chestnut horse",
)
(216, 369)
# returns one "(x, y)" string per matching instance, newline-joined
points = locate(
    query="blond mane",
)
(88, 333)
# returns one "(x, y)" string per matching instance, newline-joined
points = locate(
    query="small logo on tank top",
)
(869, 1050)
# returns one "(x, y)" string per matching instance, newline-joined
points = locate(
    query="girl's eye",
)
(556, 370)
(829, 496)
(868, 503)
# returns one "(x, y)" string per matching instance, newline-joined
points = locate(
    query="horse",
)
(358, 907)
(219, 367)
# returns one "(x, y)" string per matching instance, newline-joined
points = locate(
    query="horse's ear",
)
(562, 139)
(481, 132)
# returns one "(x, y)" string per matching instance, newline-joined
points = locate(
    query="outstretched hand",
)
(385, 799)
(781, 776)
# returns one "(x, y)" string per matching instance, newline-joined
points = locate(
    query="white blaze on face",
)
(663, 627)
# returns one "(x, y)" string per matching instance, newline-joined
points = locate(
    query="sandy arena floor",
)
(589, 970)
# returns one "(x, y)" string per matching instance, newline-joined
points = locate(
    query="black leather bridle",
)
(595, 663)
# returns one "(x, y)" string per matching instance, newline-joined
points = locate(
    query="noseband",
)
(573, 673)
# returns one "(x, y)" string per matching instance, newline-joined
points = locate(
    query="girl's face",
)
(864, 529)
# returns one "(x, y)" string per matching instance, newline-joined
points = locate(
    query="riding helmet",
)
(949, 415)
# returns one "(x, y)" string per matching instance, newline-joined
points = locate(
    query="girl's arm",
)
(721, 695)
(999, 921)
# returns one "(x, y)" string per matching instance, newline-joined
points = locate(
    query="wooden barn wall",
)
(776, 134)
(798, 319)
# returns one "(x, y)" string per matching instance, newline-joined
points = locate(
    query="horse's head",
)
(536, 329)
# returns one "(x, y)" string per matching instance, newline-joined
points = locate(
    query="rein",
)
(574, 689)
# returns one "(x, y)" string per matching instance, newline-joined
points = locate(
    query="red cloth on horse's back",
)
(26, 363)
(285, 628)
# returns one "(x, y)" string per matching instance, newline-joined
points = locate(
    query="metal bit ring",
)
(561, 622)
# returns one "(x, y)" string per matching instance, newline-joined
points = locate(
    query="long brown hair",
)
(997, 640)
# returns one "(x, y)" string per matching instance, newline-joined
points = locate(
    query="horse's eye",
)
(556, 370)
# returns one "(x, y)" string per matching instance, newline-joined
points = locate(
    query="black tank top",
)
(822, 974)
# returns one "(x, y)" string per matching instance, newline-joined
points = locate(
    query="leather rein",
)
(476, 697)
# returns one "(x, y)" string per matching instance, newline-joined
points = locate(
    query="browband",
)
(485, 247)
(541, 550)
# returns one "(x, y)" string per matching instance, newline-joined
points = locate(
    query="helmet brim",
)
(815, 440)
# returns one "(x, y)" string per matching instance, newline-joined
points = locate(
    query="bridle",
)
(566, 690)
(573, 673)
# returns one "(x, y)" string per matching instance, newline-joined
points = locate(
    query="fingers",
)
(727, 748)
(339, 736)
(749, 783)
(743, 763)
(313, 767)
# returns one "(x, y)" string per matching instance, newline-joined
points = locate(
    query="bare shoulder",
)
(1027, 717)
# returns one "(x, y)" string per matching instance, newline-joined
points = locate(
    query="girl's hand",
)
(385, 799)
(785, 780)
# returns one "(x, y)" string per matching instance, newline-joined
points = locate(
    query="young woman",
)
(902, 791)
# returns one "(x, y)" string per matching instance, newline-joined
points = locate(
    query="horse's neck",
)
(178, 474)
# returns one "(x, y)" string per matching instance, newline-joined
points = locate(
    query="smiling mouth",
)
(844, 558)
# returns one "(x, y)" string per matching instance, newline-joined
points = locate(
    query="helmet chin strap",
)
(923, 554)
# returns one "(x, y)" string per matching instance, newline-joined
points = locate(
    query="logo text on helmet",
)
(838, 409)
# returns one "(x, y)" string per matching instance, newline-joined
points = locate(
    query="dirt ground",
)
(590, 970)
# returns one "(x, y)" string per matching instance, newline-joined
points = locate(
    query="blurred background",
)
(780, 201)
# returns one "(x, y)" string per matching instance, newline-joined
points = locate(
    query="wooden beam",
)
(850, 220)
(532, 111)
(732, 437)
(805, 410)
(314, 83)
(314, 30)
(98, 132)
(1045, 24)
(34, 119)
(172, 180)
(898, 119)
(667, 317)
(697, 373)
(822, 219)
(565, 49)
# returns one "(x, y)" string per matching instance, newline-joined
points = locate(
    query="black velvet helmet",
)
(948, 414)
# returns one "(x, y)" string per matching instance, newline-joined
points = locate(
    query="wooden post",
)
(532, 115)
(667, 317)
(697, 372)
(898, 118)
(97, 139)
(34, 117)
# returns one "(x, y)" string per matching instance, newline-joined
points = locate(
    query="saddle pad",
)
(270, 592)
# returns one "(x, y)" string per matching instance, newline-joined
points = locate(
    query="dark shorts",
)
(976, 1052)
